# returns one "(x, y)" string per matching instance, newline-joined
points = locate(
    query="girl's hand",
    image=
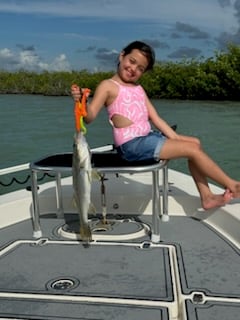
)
(76, 92)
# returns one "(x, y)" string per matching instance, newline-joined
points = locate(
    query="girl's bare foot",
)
(217, 200)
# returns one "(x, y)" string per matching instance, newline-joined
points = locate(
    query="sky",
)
(58, 35)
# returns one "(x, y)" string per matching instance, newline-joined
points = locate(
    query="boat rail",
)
(14, 169)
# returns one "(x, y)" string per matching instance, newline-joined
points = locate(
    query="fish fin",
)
(73, 202)
(89, 173)
(95, 175)
(85, 233)
(92, 209)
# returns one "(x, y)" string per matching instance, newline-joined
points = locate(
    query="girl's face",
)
(132, 65)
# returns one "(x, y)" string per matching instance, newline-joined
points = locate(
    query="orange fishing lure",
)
(80, 109)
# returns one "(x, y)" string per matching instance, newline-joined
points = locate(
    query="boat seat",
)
(104, 162)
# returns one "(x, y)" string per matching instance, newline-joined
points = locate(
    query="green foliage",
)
(216, 78)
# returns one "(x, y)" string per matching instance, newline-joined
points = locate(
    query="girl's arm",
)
(97, 103)
(159, 123)
(163, 126)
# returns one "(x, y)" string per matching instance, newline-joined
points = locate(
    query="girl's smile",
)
(132, 65)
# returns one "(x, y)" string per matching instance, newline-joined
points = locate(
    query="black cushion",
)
(99, 160)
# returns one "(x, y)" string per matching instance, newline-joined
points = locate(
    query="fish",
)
(82, 178)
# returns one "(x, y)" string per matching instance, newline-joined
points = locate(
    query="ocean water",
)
(33, 126)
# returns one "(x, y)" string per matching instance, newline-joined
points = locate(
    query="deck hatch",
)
(214, 310)
(54, 310)
(107, 270)
(207, 261)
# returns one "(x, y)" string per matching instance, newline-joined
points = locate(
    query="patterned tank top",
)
(130, 103)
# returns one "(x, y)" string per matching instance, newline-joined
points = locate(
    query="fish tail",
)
(85, 233)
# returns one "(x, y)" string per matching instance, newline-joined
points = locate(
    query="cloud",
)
(107, 57)
(31, 61)
(237, 10)
(7, 59)
(191, 31)
(75, 8)
(185, 52)
(152, 10)
(25, 48)
(60, 63)
(175, 35)
(71, 30)
(88, 49)
(224, 3)
(156, 44)
(225, 38)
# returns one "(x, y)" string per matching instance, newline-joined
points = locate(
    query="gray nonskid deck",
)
(103, 270)
(207, 261)
(130, 280)
(67, 310)
(213, 310)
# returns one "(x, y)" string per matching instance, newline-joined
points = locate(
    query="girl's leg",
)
(201, 168)
(208, 199)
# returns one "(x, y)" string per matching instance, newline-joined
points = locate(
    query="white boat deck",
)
(192, 273)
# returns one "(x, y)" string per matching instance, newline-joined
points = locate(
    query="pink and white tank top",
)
(130, 103)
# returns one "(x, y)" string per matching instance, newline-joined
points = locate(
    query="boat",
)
(159, 256)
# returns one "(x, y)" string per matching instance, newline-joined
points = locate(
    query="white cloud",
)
(146, 19)
(7, 59)
(60, 63)
(207, 15)
(5, 53)
(29, 60)
(198, 11)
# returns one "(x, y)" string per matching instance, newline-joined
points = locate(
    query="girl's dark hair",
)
(144, 48)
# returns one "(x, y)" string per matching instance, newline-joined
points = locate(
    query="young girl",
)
(130, 111)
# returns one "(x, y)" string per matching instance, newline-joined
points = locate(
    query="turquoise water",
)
(35, 126)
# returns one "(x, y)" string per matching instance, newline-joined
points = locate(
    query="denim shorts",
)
(143, 148)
